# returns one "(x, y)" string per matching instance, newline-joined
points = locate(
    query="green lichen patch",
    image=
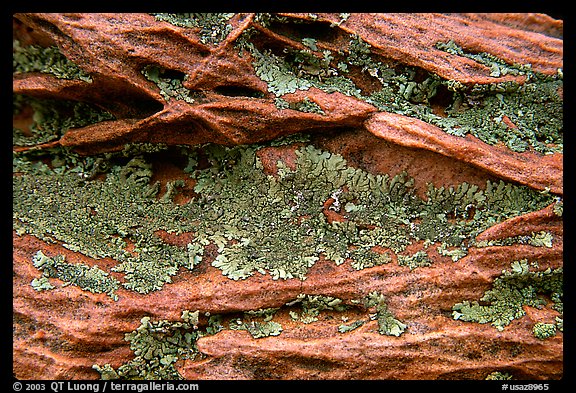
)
(498, 376)
(258, 329)
(310, 307)
(171, 86)
(415, 260)
(157, 345)
(544, 330)
(52, 118)
(520, 117)
(498, 67)
(454, 253)
(558, 207)
(100, 217)
(559, 324)
(213, 27)
(540, 239)
(306, 105)
(387, 323)
(34, 58)
(88, 278)
(313, 305)
(344, 328)
(42, 284)
(258, 323)
(510, 293)
(259, 223)
(281, 77)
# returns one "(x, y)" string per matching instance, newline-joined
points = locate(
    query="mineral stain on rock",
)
(336, 196)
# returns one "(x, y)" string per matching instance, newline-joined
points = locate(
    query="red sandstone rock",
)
(528, 168)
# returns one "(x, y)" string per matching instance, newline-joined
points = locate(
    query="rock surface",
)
(62, 333)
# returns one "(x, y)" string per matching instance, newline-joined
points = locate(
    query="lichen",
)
(497, 66)
(455, 254)
(258, 329)
(88, 278)
(510, 292)
(213, 27)
(558, 208)
(49, 60)
(157, 345)
(520, 116)
(53, 118)
(544, 330)
(280, 76)
(559, 324)
(498, 376)
(517, 116)
(313, 305)
(306, 105)
(99, 218)
(387, 323)
(259, 222)
(344, 328)
(540, 239)
(42, 284)
(171, 87)
(107, 206)
(102, 205)
(415, 260)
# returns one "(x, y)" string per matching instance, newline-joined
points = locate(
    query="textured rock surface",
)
(61, 333)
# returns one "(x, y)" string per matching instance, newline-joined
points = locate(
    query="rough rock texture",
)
(61, 333)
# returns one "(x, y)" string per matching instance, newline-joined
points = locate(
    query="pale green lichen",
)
(535, 107)
(387, 323)
(313, 305)
(498, 376)
(259, 223)
(280, 76)
(497, 66)
(266, 313)
(343, 17)
(98, 218)
(171, 87)
(345, 328)
(455, 254)
(306, 105)
(258, 329)
(106, 206)
(559, 207)
(510, 292)
(49, 60)
(415, 260)
(53, 118)
(99, 205)
(88, 278)
(42, 284)
(560, 324)
(519, 116)
(213, 27)
(540, 239)
(157, 346)
(544, 330)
